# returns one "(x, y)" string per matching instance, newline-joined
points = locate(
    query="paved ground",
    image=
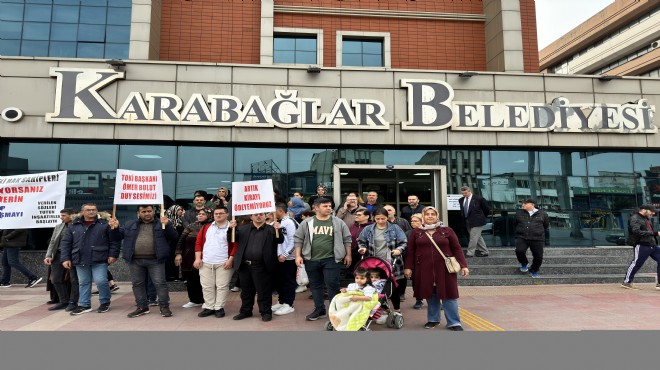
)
(518, 308)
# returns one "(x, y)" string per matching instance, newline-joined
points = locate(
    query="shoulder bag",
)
(452, 264)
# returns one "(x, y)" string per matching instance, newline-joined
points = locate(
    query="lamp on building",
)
(314, 69)
(609, 77)
(116, 64)
(467, 74)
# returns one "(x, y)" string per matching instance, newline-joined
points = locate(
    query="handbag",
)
(452, 264)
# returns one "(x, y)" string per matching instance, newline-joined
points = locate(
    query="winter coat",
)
(428, 266)
(162, 239)
(477, 212)
(186, 245)
(88, 245)
(395, 239)
(639, 231)
(532, 227)
(268, 252)
(14, 238)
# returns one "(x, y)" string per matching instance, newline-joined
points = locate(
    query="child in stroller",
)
(353, 306)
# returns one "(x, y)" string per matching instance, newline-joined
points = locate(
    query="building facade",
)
(419, 123)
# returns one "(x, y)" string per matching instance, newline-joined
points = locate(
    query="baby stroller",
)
(394, 319)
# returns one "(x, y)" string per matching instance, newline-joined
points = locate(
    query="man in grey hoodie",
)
(322, 243)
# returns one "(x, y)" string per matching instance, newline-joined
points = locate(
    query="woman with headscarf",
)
(185, 256)
(222, 198)
(432, 281)
(296, 207)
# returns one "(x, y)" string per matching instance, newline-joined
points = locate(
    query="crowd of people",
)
(265, 253)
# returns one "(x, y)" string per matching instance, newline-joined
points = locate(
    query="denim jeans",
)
(11, 258)
(318, 272)
(450, 306)
(139, 269)
(98, 273)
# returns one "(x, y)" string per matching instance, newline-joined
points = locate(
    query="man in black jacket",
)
(642, 237)
(531, 226)
(474, 210)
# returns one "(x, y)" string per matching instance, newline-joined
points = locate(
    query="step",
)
(557, 260)
(552, 251)
(499, 280)
(558, 269)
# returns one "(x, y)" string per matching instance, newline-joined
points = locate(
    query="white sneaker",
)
(301, 288)
(190, 305)
(285, 309)
(381, 320)
(235, 289)
(276, 307)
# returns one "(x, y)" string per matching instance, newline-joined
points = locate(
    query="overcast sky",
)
(556, 17)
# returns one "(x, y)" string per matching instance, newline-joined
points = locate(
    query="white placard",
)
(32, 201)
(452, 202)
(138, 187)
(250, 197)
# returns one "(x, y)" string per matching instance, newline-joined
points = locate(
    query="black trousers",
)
(400, 290)
(285, 281)
(57, 273)
(193, 286)
(255, 279)
(537, 252)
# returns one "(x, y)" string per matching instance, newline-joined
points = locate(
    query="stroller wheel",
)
(328, 326)
(398, 321)
(390, 320)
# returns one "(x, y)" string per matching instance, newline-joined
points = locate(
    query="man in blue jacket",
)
(146, 248)
(90, 246)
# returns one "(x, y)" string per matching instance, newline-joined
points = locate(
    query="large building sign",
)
(430, 107)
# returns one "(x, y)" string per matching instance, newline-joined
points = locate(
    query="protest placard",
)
(32, 201)
(250, 197)
(138, 187)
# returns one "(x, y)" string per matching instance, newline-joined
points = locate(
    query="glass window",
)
(646, 164)
(11, 12)
(362, 53)
(116, 51)
(94, 2)
(36, 31)
(188, 183)
(604, 164)
(85, 157)
(65, 14)
(37, 13)
(118, 34)
(90, 50)
(147, 158)
(205, 159)
(62, 49)
(563, 163)
(92, 33)
(119, 16)
(266, 161)
(10, 30)
(92, 14)
(34, 48)
(67, 2)
(120, 3)
(10, 47)
(302, 160)
(294, 49)
(30, 157)
(514, 162)
(64, 32)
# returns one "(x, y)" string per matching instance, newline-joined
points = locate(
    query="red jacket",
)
(201, 240)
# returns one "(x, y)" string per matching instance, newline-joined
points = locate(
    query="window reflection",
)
(101, 157)
(205, 159)
(563, 163)
(605, 164)
(147, 158)
(30, 157)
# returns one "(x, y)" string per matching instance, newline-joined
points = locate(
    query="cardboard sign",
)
(250, 197)
(32, 201)
(138, 187)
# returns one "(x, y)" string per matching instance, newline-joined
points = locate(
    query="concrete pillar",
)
(145, 30)
(266, 39)
(504, 45)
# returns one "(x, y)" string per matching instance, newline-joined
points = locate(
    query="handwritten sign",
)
(138, 187)
(32, 201)
(250, 197)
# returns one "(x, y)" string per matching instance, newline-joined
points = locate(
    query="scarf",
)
(298, 206)
(432, 226)
(171, 213)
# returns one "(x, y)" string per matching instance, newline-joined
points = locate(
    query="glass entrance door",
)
(393, 184)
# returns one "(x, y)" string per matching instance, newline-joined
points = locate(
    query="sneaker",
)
(301, 288)
(165, 311)
(284, 310)
(5, 285)
(71, 307)
(114, 288)
(381, 320)
(235, 289)
(138, 312)
(81, 310)
(402, 297)
(191, 305)
(431, 325)
(276, 307)
(419, 304)
(34, 282)
(153, 303)
(534, 274)
(104, 307)
(523, 268)
(631, 286)
(316, 314)
(455, 328)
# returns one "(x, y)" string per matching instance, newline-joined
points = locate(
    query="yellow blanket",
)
(346, 315)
